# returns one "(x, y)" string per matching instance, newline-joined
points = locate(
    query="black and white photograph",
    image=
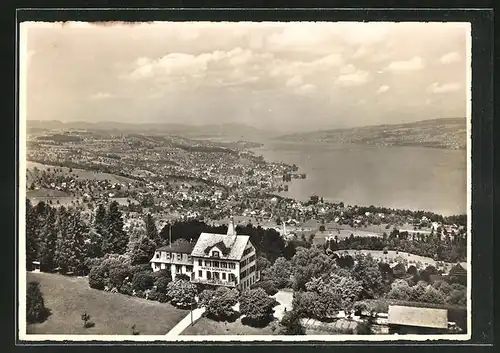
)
(244, 181)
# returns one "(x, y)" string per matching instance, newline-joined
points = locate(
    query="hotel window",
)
(232, 265)
(200, 263)
(215, 264)
(189, 268)
(223, 275)
(167, 255)
(179, 256)
(215, 254)
(157, 255)
(178, 268)
(200, 273)
(208, 263)
(223, 264)
(189, 258)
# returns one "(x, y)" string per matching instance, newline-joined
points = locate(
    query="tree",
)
(309, 263)
(219, 303)
(262, 263)
(279, 273)
(432, 295)
(115, 240)
(268, 286)
(100, 219)
(336, 292)
(181, 293)
(142, 281)
(151, 230)
(32, 237)
(256, 305)
(367, 271)
(70, 247)
(35, 305)
(144, 251)
(48, 241)
(400, 290)
(94, 244)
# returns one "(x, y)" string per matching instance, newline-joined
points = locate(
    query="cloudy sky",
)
(292, 76)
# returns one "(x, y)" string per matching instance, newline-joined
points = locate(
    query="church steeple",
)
(231, 230)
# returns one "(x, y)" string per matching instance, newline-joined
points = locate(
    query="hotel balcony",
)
(215, 282)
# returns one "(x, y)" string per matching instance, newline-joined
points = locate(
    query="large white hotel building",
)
(216, 259)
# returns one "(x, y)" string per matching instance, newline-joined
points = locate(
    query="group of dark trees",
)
(61, 238)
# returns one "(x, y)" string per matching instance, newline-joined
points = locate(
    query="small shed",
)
(416, 320)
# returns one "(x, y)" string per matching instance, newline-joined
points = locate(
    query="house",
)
(225, 259)
(415, 320)
(175, 257)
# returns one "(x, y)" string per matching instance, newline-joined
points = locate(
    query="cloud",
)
(283, 67)
(306, 89)
(101, 95)
(213, 68)
(450, 58)
(413, 64)
(352, 78)
(294, 81)
(382, 89)
(444, 88)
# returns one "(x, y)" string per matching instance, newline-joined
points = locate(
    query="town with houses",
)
(202, 233)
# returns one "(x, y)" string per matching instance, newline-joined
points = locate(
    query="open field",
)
(206, 326)
(112, 313)
(412, 258)
(81, 173)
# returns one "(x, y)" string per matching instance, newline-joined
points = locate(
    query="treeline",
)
(61, 138)
(205, 149)
(268, 242)
(63, 239)
(449, 249)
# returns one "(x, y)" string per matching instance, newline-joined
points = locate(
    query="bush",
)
(126, 289)
(142, 281)
(97, 278)
(153, 295)
(86, 320)
(35, 305)
(161, 280)
(117, 276)
(183, 277)
(268, 286)
(291, 324)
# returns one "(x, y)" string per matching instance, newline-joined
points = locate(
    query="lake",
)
(414, 178)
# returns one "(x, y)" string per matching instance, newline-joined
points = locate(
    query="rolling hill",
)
(225, 132)
(447, 133)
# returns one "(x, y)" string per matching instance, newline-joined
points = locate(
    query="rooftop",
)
(232, 246)
(181, 247)
(421, 317)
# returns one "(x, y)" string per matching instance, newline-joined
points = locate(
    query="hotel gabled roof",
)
(232, 246)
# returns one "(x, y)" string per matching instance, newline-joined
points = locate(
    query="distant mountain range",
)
(225, 132)
(446, 133)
